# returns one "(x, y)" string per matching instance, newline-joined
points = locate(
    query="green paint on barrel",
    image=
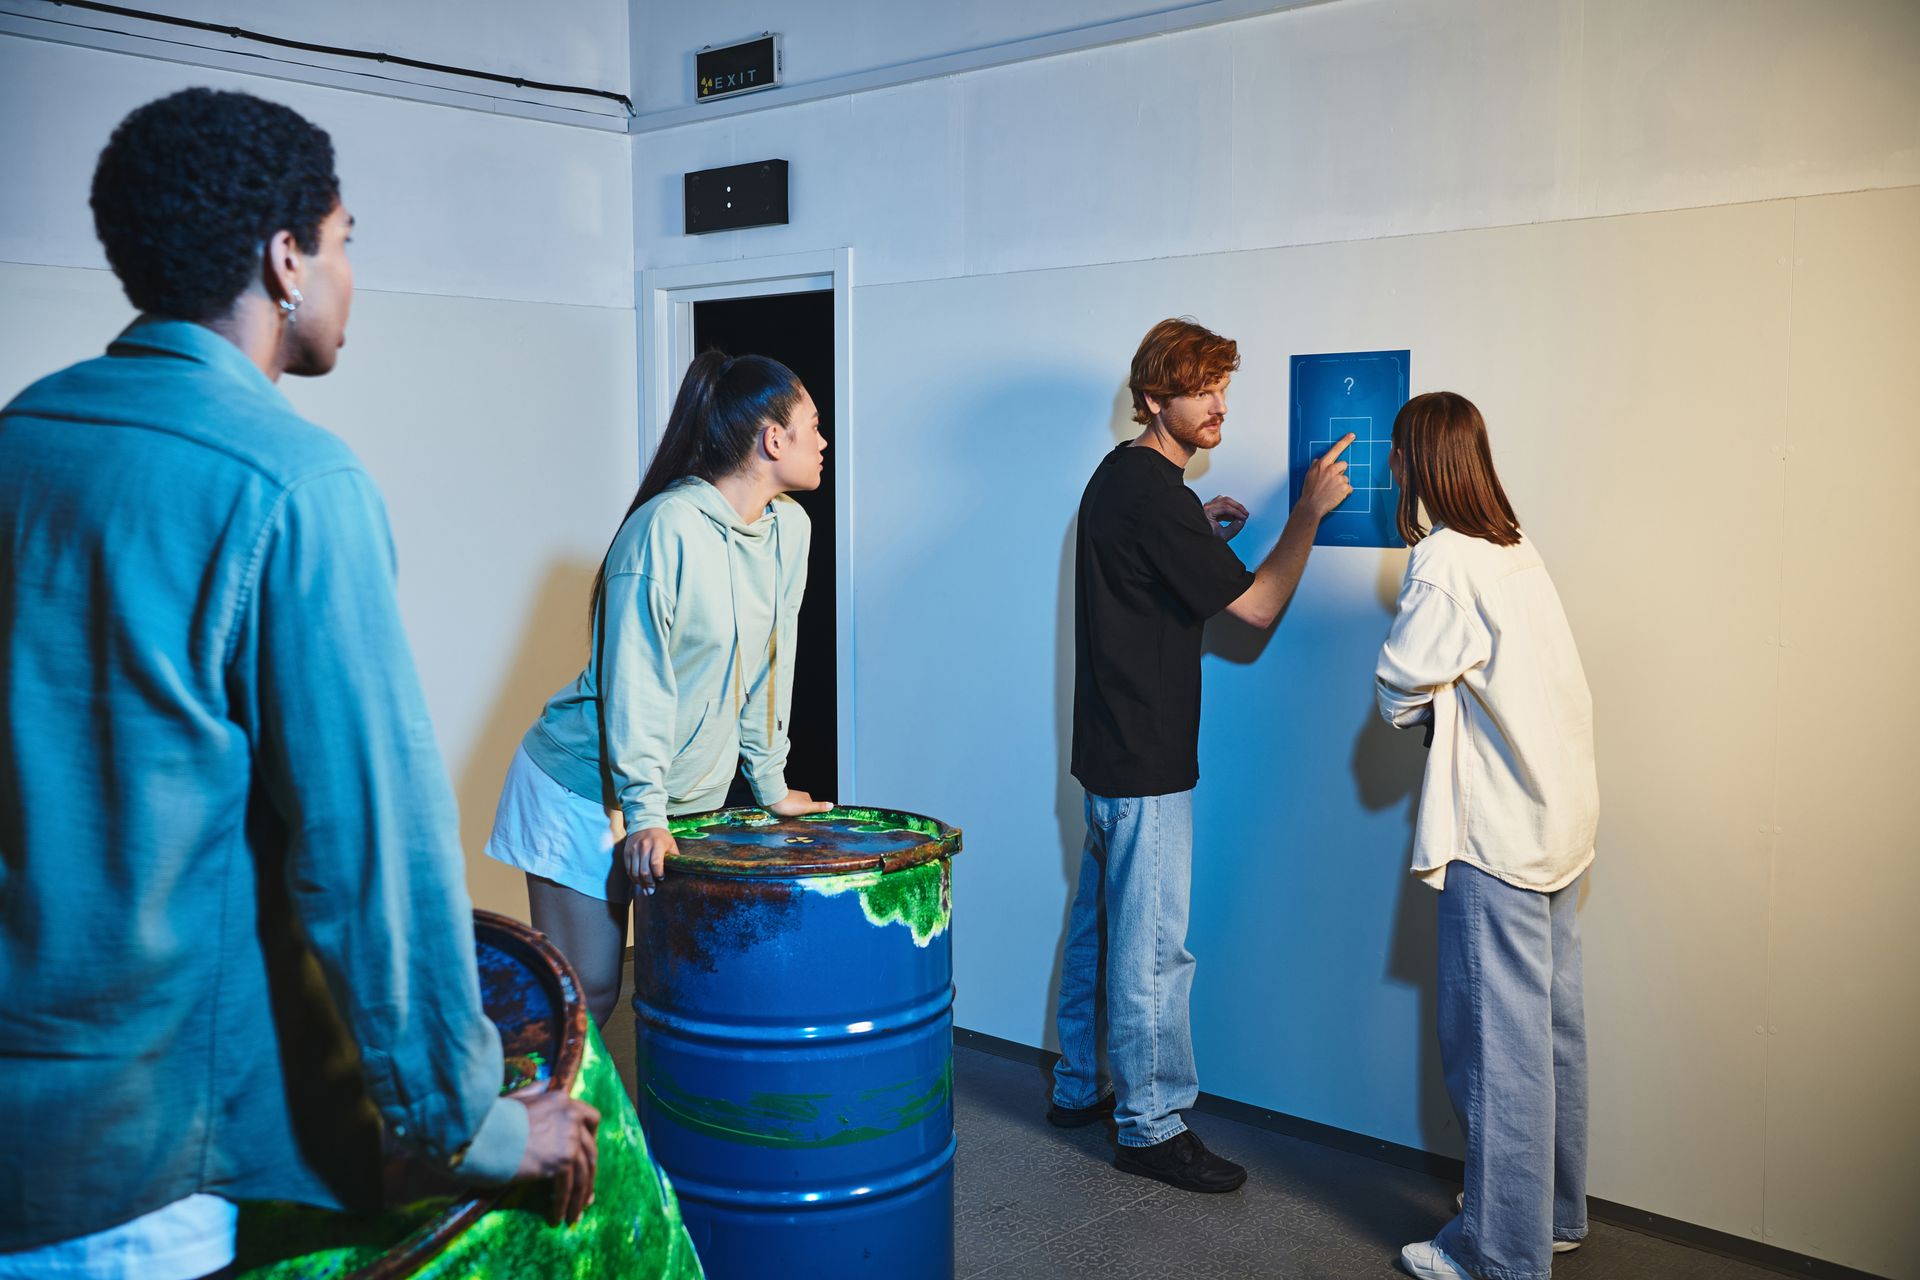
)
(883, 820)
(793, 1010)
(801, 1121)
(633, 1226)
(855, 818)
(920, 898)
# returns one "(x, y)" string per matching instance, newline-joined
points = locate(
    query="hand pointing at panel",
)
(1326, 485)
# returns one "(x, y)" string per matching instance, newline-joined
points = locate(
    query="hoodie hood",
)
(714, 506)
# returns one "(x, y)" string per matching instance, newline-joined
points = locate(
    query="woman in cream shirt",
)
(1481, 652)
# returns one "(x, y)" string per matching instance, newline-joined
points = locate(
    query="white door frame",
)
(664, 297)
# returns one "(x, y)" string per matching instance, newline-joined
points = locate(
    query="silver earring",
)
(288, 308)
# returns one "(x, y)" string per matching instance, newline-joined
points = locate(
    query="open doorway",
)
(797, 329)
(667, 299)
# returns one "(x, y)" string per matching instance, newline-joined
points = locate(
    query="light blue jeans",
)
(1513, 1044)
(1128, 927)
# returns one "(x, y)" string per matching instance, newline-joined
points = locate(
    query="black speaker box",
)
(741, 195)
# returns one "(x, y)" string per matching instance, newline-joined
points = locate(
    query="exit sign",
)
(736, 68)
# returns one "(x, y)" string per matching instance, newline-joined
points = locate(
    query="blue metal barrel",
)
(794, 1011)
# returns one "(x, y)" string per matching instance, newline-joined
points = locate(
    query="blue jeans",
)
(1513, 1043)
(1129, 927)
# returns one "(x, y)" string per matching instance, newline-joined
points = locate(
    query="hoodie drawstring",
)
(773, 635)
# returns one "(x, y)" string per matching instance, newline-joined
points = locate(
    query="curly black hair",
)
(191, 186)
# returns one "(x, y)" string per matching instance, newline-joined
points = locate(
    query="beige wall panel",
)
(1633, 372)
(505, 438)
(1686, 102)
(1843, 1121)
(502, 435)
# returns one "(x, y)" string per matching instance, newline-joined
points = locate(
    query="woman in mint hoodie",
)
(691, 667)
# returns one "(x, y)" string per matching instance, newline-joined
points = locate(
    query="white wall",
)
(823, 42)
(490, 56)
(582, 43)
(1352, 120)
(1484, 183)
(447, 201)
(488, 381)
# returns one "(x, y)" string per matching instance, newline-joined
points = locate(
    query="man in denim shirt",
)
(227, 843)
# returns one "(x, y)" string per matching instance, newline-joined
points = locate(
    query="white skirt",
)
(556, 834)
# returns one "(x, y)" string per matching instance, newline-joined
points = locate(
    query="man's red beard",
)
(1197, 437)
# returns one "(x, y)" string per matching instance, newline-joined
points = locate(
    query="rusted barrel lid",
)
(753, 842)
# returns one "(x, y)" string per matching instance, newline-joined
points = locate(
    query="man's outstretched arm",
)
(1274, 581)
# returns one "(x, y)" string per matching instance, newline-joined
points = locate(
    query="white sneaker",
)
(1559, 1246)
(1428, 1261)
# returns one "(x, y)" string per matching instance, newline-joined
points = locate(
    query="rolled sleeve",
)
(494, 1154)
(1434, 641)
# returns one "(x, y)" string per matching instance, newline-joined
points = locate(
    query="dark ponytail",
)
(723, 404)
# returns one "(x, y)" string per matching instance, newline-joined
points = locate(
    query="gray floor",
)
(1037, 1202)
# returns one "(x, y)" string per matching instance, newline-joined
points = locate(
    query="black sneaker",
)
(1078, 1117)
(1181, 1161)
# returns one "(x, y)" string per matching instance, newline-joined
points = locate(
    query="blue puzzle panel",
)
(1357, 392)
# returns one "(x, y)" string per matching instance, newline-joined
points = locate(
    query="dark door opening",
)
(797, 330)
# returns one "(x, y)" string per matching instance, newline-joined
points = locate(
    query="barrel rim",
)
(705, 857)
(565, 993)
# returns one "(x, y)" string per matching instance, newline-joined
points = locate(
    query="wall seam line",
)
(1767, 1046)
(1356, 240)
(363, 290)
(342, 79)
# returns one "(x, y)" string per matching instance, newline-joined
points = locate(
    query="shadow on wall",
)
(1387, 765)
(1069, 800)
(1387, 771)
(552, 649)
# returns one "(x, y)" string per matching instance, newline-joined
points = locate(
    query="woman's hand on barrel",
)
(795, 803)
(645, 852)
(562, 1145)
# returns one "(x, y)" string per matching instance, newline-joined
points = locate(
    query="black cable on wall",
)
(390, 59)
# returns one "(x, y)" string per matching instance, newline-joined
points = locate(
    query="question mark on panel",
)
(1349, 386)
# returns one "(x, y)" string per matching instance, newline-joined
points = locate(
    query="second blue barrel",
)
(793, 1000)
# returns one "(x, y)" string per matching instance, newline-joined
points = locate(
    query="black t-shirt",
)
(1149, 570)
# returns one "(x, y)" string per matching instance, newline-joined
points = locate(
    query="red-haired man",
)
(1151, 565)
